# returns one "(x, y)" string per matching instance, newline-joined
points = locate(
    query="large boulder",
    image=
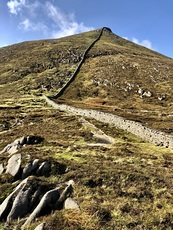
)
(6, 205)
(48, 200)
(30, 168)
(20, 205)
(44, 169)
(14, 164)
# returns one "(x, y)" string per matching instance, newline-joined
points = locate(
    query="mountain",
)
(120, 180)
(117, 75)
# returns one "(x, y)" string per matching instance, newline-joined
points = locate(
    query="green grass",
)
(124, 185)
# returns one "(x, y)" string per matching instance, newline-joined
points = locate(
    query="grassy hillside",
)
(122, 184)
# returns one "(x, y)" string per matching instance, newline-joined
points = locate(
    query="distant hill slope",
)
(117, 75)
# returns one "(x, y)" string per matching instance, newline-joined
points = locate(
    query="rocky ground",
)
(116, 180)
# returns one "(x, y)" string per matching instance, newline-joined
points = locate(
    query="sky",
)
(145, 22)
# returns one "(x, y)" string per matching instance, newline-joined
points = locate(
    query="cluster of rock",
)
(14, 164)
(22, 141)
(35, 167)
(31, 199)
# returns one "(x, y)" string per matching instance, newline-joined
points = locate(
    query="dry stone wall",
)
(80, 63)
(136, 128)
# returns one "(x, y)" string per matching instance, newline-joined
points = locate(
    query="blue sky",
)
(146, 22)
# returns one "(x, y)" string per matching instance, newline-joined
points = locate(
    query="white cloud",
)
(145, 43)
(45, 17)
(65, 23)
(27, 25)
(3, 44)
(15, 6)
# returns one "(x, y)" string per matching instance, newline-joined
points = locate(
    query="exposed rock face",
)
(14, 164)
(33, 198)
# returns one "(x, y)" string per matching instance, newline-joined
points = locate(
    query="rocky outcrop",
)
(18, 143)
(48, 200)
(6, 205)
(31, 199)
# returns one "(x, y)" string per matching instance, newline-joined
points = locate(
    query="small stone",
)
(71, 204)
(40, 226)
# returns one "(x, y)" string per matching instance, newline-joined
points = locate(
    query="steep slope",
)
(117, 75)
(126, 78)
(120, 180)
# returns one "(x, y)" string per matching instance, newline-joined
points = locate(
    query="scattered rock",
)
(161, 97)
(71, 204)
(14, 164)
(140, 91)
(147, 94)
